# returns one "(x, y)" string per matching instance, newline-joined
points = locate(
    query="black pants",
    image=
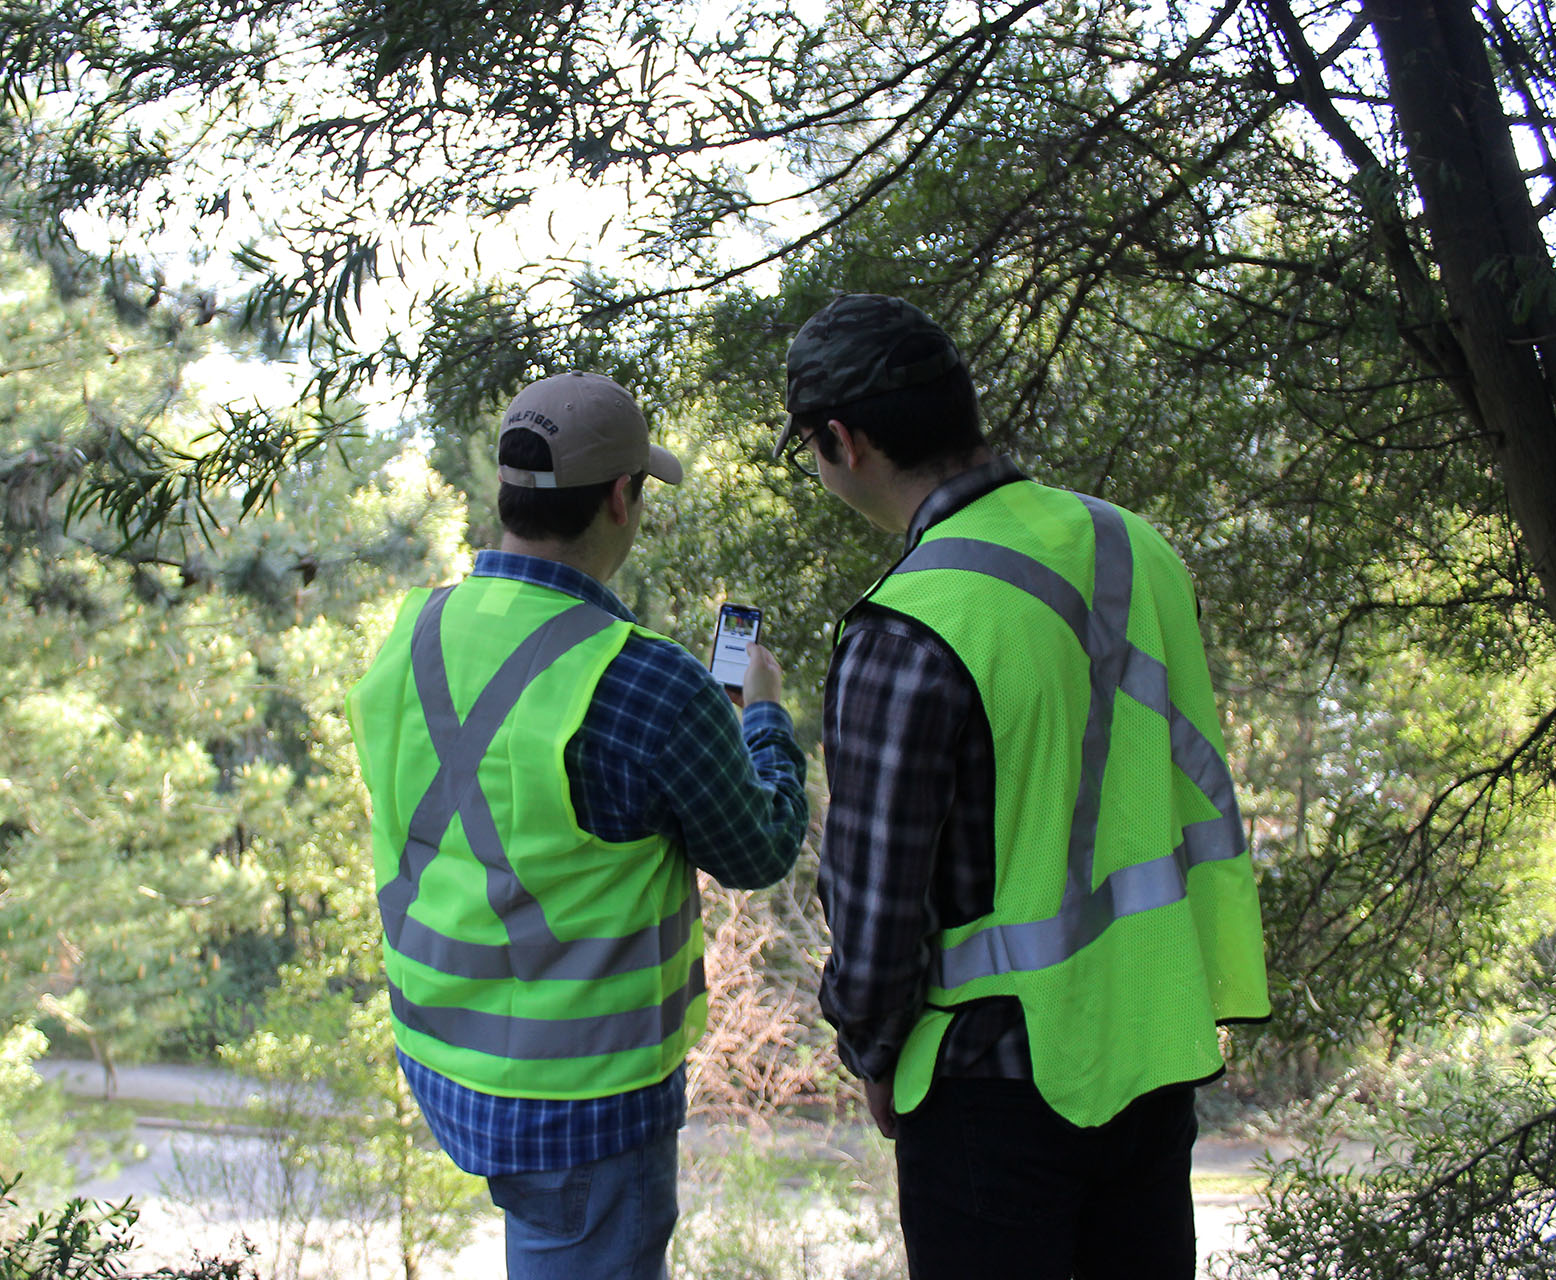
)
(995, 1184)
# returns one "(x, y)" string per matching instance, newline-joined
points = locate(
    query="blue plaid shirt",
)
(659, 751)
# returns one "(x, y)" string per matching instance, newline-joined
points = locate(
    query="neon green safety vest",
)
(1125, 916)
(525, 957)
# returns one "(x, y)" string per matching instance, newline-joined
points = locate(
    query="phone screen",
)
(738, 626)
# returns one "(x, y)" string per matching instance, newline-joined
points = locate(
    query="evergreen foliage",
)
(1464, 1188)
(85, 1241)
(1238, 268)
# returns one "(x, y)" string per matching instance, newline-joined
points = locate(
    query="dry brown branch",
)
(763, 1050)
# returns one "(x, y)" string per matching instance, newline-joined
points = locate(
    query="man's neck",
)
(914, 487)
(584, 554)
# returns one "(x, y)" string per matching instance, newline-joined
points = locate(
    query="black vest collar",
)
(959, 491)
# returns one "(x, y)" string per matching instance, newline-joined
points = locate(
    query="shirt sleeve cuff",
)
(761, 717)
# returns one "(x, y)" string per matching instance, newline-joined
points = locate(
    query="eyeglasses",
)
(795, 454)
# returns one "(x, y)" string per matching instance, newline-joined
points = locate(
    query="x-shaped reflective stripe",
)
(1102, 631)
(461, 745)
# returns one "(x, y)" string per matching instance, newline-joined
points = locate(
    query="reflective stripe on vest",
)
(533, 951)
(1102, 631)
(553, 1038)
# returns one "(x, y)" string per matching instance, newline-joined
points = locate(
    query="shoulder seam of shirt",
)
(910, 630)
(666, 656)
(668, 650)
(876, 619)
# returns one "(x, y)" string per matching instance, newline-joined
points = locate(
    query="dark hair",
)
(544, 514)
(913, 426)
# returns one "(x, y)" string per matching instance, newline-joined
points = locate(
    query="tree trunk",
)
(404, 1115)
(1495, 268)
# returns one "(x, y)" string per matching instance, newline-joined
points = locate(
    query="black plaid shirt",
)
(908, 848)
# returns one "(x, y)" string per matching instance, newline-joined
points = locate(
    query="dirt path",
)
(168, 1230)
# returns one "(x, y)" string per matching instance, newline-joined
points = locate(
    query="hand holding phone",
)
(738, 626)
(764, 679)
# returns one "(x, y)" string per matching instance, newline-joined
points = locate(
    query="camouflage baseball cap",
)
(859, 345)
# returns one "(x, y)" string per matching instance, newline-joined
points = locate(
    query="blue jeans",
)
(993, 1182)
(609, 1220)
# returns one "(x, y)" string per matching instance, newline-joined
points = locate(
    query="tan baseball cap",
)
(595, 429)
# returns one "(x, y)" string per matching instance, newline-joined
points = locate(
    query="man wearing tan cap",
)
(547, 776)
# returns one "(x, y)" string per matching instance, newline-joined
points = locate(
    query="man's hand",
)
(878, 1093)
(764, 677)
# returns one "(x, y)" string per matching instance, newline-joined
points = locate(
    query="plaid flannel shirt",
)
(660, 751)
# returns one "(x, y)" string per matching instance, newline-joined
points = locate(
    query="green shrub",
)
(1462, 1187)
(87, 1241)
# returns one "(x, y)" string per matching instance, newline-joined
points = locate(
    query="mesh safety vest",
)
(1125, 915)
(525, 957)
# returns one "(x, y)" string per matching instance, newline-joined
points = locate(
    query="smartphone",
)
(738, 626)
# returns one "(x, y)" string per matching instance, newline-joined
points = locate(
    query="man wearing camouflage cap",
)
(547, 777)
(1033, 866)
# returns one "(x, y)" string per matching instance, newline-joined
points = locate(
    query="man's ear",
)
(851, 441)
(619, 501)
